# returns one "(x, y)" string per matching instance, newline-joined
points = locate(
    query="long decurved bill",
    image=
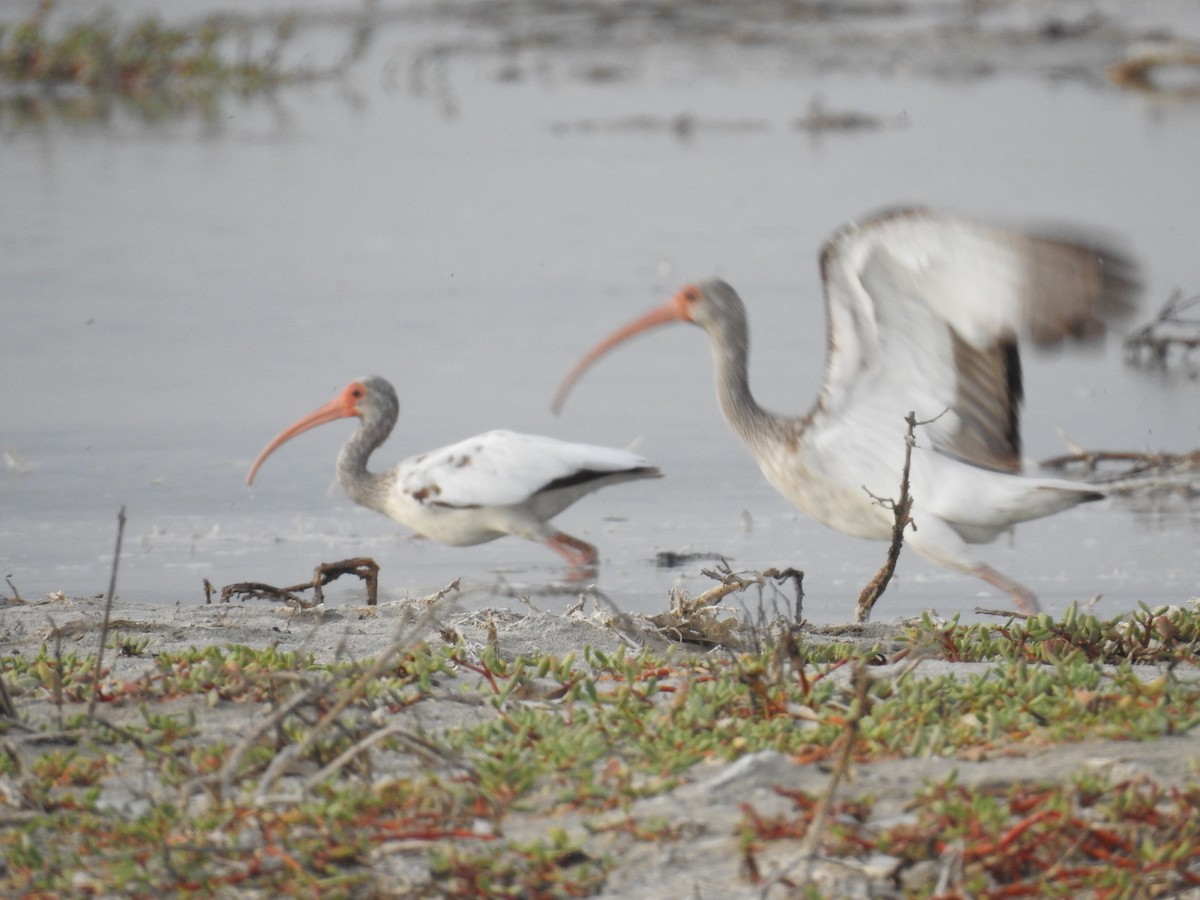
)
(340, 407)
(674, 310)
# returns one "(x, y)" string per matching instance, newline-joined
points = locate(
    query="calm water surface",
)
(176, 293)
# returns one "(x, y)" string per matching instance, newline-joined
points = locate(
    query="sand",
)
(707, 862)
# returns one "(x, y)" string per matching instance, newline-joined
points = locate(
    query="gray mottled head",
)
(715, 306)
(370, 399)
(376, 399)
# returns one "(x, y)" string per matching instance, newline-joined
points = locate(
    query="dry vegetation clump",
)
(446, 766)
(79, 69)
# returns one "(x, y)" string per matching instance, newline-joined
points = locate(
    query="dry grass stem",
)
(104, 626)
(811, 845)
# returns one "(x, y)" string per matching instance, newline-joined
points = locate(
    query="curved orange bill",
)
(338, 408)
(674, 310)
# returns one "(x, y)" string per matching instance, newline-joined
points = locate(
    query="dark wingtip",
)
(1097, 280)
(1120, 284)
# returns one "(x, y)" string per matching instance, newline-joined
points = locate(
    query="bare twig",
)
(1145, 59)
(251, 590)
(762, 622)
(694, 619)
(577, 607)
(729, 582)
(56, 689)
(6, 705)
(809, 849)
(797, 577)
(1003, 613)
(671, 559)
(901, 508)
(426, 749)
(223, 780)
(862, 684)
(820, 119)
(108, 601)
(348, 696)
(439, 594)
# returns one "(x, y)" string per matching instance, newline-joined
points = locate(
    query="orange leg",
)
(576, 552)
(1023, 599)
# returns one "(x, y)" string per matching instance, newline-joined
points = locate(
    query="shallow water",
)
(177, 292)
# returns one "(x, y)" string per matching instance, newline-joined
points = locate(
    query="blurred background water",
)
(483, 192)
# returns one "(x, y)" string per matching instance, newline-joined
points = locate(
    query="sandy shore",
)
(704, 807)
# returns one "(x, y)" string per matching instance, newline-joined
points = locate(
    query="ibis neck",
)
(753, 424)
(361, 485)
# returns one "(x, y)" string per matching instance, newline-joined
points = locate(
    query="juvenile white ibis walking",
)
(924, 313)
(474, 491)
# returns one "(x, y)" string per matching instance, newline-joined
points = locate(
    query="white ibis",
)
(474, 491)
(924, 314)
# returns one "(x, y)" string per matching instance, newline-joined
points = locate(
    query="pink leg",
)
(1023, 598)
(576, 552)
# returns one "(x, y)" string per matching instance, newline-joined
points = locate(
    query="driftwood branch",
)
(1152, 344)
(1125, 464)
(796, 576)
(364, 567)
(901, 508)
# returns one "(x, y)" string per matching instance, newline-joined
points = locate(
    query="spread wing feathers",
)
(503, 468)
(925, 312)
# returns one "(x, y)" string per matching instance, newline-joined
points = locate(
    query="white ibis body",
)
(474, 491)
(924, 313)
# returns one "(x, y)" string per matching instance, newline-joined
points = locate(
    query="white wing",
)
(925, 311)
(503, 468)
